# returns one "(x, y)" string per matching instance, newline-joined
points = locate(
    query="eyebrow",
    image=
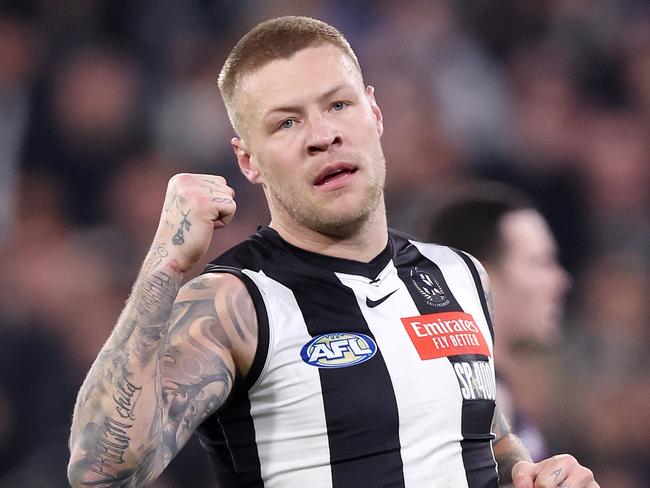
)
(297, 108)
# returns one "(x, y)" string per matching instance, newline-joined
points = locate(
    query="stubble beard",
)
(334, 224)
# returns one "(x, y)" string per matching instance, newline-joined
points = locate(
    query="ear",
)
(247, 164)
(379, 118)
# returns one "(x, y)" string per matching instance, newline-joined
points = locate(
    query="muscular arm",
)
(143, 399)
(169, 361)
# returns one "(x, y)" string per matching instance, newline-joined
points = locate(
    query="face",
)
(312, 139)
(529, 284)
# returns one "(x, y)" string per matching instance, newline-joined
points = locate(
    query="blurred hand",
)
(562, 471)
(195, 205)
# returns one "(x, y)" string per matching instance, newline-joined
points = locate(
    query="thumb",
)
(524, 474)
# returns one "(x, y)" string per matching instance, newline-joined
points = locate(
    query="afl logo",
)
(338, 350)
(429, 288)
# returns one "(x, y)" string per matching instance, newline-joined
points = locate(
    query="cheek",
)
(523, 285)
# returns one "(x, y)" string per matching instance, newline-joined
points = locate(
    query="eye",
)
(338, 106)
(286, 124)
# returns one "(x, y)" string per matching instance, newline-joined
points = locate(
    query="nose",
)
(563, 279)
(321, 135)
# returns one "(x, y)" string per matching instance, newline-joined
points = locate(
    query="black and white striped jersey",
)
(374, 374)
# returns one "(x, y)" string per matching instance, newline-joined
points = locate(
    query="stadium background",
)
(101, 101)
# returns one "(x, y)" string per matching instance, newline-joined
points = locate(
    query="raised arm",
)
(129, 420)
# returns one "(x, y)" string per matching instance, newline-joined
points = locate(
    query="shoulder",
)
(209, 284)
(215, 310)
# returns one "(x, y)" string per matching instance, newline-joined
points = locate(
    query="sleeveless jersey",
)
(374, 374)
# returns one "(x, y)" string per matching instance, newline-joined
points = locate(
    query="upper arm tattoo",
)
(198, 369)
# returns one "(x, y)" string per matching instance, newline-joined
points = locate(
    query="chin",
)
(339, 226)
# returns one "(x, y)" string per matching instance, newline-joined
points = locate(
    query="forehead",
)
(526, 232)
(308, 73)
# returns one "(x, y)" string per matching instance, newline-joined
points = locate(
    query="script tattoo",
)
(184, 225)
(127, 397)
(110, 448)
(113, 439)
(135, 427)
(154, 291)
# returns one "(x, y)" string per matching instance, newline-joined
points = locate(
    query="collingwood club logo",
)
(429, 288)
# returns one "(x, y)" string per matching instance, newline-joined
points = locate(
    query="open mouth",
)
(334, 172)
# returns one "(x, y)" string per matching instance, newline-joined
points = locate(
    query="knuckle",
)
(180, 177)
(587, 474)
(567, 458)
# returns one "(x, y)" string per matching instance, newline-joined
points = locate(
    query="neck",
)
(364, 244)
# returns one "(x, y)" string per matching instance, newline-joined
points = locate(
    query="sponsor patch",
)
(445, 334)
(338, 350)
(476, 380)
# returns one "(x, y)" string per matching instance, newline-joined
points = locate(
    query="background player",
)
(500, 226)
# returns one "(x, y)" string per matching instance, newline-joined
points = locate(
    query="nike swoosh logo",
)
(373, 303)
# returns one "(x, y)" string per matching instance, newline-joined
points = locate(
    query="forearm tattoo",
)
(508, 451)
(184, 225)
(144, 425)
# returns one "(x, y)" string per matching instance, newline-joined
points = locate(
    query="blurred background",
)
(102, 101)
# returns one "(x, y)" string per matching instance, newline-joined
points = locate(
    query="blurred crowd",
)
(102, 101)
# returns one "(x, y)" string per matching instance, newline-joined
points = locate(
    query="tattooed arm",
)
(151, 383)
(508, 449)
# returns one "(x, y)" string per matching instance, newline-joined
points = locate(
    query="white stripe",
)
(427, 393)
(287, 402)
(460, 281)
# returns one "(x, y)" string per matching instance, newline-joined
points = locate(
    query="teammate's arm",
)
(129, 420)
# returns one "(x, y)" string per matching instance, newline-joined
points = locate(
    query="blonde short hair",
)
(278, 38)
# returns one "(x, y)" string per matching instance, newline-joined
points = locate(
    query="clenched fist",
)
(562, 471)
(194, 206)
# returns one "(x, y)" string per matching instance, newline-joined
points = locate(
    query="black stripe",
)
(229, 439)
(360, 405)
(419, 274)
(229, 435)
(425, 283)
(479, 286)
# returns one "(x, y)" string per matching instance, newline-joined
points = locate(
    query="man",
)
(500, 227)
(305, 355)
